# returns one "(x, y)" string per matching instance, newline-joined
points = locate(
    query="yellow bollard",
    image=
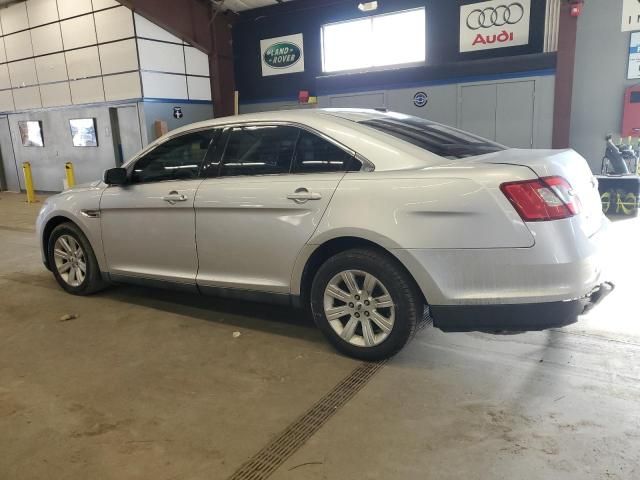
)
(28, 180)
(71, 178)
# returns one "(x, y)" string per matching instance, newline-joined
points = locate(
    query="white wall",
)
(69, 52)
(66, 52)
(170, 67)
(63, 59)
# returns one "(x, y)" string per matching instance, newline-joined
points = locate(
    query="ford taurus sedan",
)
(367, 218)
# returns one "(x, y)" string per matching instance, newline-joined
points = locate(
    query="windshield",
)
(440, 139)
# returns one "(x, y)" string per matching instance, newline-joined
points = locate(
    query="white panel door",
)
(503, 112)
(478, 110)
(514, 114)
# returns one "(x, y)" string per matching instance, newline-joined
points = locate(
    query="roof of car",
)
(353, 114)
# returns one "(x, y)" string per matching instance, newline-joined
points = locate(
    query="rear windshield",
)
(440, 139)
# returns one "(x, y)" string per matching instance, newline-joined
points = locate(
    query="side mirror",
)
(115, 176)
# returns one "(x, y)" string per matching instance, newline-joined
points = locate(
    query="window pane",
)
(259, 151)
(176, 159)
(407, 29)
(376, 41)
(317, 155)
(347, 45)
(440, 139)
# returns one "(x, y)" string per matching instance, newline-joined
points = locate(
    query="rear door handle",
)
(302, 195)
(174, 197)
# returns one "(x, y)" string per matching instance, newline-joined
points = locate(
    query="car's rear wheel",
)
(72, 261)
(365, 303)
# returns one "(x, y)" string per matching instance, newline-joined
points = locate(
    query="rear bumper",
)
(516, 317)
(564, 264)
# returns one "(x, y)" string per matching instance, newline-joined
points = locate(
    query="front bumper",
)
(516, 317)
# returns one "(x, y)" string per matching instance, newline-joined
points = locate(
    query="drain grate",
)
(274, 454)
(267, 460)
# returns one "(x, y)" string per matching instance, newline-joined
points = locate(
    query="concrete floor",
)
(146, 384)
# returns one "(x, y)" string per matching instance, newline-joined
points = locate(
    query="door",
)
(514, 114)
(125, 127)
(503, 112)
(148, 226)
(253, 219)
(11, 180)
(478, 110)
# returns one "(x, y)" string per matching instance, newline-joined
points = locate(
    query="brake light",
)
(549, 198)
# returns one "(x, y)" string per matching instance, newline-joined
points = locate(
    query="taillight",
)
(549, 198)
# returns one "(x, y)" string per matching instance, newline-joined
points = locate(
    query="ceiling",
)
(234, 5)
(241, 5)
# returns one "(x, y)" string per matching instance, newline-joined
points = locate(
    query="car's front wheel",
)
(73, 262)
(365, 303)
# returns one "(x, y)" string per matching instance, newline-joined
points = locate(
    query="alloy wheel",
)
(70, 260)
(359, 308)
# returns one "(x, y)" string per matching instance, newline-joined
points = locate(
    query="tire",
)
(384, 337)
(68, 235)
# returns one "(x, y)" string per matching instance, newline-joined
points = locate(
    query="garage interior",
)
(137, 383)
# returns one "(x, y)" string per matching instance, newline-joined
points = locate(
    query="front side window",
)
(176, 159)
(376, 41)
(259, 150)
(316, 155)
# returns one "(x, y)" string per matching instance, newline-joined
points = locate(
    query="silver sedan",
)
(367, 218)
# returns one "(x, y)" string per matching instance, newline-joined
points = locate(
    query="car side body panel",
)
(249, 232)
(146, 236)
(80, 206)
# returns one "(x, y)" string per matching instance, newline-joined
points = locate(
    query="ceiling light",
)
(368, 6)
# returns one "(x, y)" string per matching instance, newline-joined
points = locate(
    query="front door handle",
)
(174, 197)
(302, 195)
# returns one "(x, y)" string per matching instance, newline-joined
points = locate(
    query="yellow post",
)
(28, 180)
(236, 106)
(71, 178)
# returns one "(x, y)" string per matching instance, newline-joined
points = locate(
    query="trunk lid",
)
(564, 163)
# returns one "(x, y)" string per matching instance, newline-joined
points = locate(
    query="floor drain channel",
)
(274, 454)
(267, 460)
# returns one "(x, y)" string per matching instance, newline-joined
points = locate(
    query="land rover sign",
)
(282, 55)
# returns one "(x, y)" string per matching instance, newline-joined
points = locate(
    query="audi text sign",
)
(494, 24)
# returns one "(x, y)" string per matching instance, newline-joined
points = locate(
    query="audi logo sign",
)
(494, 24)
(495, 16)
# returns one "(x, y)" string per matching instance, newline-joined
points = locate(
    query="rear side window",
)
(440, 139)
(316, 155)
(259, 150)
(179, 158)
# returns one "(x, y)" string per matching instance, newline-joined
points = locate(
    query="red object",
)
(303, 96)
(549, 198)
(576, 9)
(631, 112)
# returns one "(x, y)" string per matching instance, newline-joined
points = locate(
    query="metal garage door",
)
(502, 112)
(9, 167)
